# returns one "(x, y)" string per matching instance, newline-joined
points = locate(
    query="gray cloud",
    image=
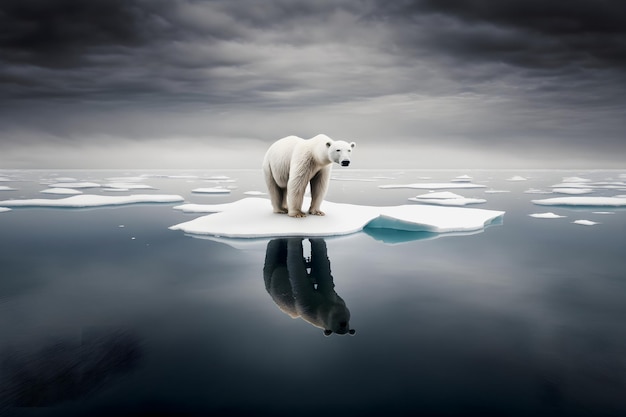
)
(485, 74)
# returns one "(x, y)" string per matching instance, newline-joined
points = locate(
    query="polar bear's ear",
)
(328, 144)
(327, 332)
(352, 144)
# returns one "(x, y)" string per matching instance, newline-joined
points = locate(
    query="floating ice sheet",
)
(583, 201)
(3, 209)
(572, 190)
(62, 191)
(5, 188)
(585, 222)
(215, 190)
(435, 185)
(446, 198)
(76, 185)
(253, 218)
(88, 200)
(517, 178)
(548, 215)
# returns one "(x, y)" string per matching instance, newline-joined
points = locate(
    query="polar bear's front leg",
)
(295, 195)
(319, 185)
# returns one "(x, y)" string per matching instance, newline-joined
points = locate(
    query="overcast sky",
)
(210, 84)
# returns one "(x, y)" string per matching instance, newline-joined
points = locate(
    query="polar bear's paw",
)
(298, 213)
(281, 211)
(317, 212)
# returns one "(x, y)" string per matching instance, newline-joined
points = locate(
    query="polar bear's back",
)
(278, 158)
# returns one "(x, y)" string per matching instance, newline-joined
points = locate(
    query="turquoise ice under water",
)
(105, 311)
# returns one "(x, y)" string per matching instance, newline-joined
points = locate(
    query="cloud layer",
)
(425, 76)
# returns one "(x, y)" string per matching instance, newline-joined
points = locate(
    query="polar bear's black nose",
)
(345, 163)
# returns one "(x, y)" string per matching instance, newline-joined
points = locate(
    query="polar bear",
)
(291, 163)
(305, 288)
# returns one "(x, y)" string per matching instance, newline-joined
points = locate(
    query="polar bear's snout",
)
(345, 162)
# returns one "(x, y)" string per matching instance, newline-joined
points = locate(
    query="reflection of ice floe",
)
(253, 218)
(61, 191)
(434, 185)
(585, 222)
(215, 190)
(548, 215)
(517, 178)
(582, 201)
(88, 200)
(446, 198)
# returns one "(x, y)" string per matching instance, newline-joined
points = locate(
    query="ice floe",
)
(572, 190)
(3, 209)
(128, 186)
(462, 178)
(585, 222)
(537, 191)
(61, 191)
(6, 188)
(446, 198)
(496, 191)
(253, 218)
(548, 215)
(254, 193)
(215, 190)
(434, 185)
(603, 212)
(582, 201)
(76, 185)
(575, 179)
(88, 200)
(517, 178)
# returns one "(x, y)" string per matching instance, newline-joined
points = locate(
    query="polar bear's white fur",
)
(291, 163)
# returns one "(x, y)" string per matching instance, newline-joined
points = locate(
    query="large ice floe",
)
(618, 201)
(88, 200)
(253, 218)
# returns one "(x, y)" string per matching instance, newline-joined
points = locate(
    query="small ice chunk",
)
(440, 195)
(585, 222)
(61, 190)
(129, 186)
(352, 179)
(461, 201)
(215, 190)
(5, 188)
(572, 190)
(114, 189)
(582, 201)
(548, 215)
(88, 200)
(575, 179)
(3, 209)
(516, 178)
(254, 193)
(496, 191)
(537, 191)
(75, 185)
(603, 212)
(462, 178)
(434, 185)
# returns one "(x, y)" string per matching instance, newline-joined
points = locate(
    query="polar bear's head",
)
(337, 319)
(340, 151)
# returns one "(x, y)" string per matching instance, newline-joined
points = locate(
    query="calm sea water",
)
(106, 312)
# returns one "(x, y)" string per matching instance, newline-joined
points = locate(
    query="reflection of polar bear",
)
(298, 293)
(291, 163)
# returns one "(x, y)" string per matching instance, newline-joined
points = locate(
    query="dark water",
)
(526, 318)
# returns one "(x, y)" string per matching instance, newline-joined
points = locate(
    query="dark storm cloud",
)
(481, 72)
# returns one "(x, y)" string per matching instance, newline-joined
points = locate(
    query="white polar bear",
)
(292, 162)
